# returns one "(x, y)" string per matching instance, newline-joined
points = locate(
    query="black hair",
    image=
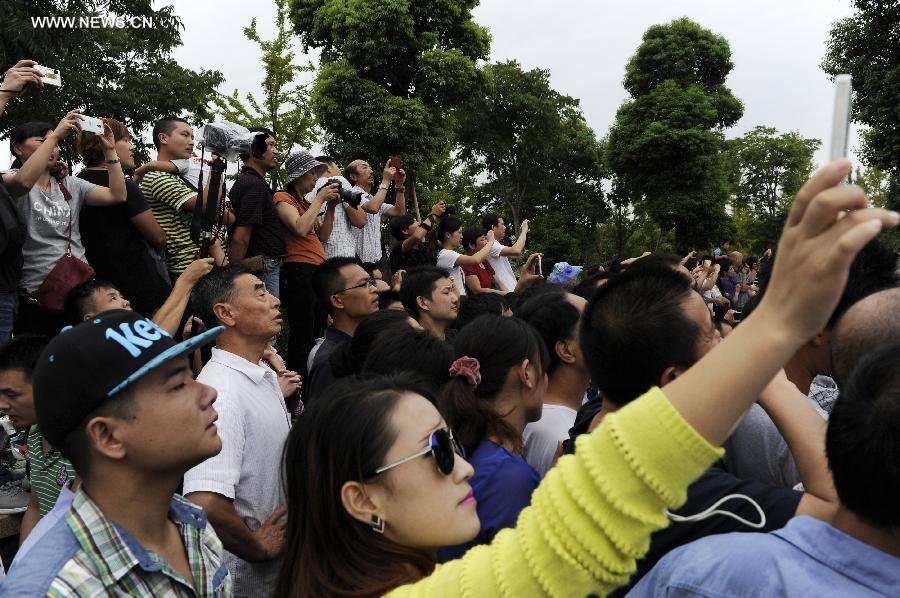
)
(166, 125)
(258, 146)
(489, 221)
(350, 172)
(472, 306)
(634, 328)
(328, 280)
(348, 359)
(587, 287)
(412, 351)
(419, 282)
(370, 267)
(325, 162)
(446, 225)
(398, 223)
(655, 260)
(873, 269)
(691, 263)
(535, 288)
(555, 319)
(499, 344)
(327, 552)
(22, 353)
(23, 133)
(80, 300)
(215, 287)
(863, 439)
(470, 236)
(857, 334)
(388, 297)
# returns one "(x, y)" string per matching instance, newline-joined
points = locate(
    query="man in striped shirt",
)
(115, 394)
(172, 198)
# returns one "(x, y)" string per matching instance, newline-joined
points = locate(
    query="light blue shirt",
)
(806, 558)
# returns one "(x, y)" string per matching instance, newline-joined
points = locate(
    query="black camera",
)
(450, 208)
(348, 196)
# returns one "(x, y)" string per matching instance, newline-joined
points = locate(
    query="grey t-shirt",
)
(47, 215)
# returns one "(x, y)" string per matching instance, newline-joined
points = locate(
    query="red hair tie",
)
(468, 368)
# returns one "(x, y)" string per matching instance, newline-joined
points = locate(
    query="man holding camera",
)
(257, 231)
(361, 175)
(347, 219)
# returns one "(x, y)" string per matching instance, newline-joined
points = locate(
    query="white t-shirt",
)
(542, 437)
(712, 294)
(189, 168)
(446, 259)
(503, 272)
(369, 246)
(253, 424)
(344, 237)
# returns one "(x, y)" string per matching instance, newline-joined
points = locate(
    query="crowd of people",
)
(443, 420)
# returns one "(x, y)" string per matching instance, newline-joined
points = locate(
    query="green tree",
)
(127, 73)
(284, 107)
(392, 74)
(769, 169)
(540, 159)
(667, 144)
(866, 46)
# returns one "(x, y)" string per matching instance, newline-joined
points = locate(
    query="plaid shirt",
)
(87, 554)
(823, 392)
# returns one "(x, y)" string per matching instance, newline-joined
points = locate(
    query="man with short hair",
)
(644, 328)
(240, 488)
(360, 174)
(499, 256)
(348, 294)
(427, 295)
(409, 248)
(48, 471)
(857, 553)
(117, 398)
(257, 227)
(347, 222)
(172, 200)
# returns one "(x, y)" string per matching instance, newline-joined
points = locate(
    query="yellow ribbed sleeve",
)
(592, 516)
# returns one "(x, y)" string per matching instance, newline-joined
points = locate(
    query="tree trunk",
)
(411, 183)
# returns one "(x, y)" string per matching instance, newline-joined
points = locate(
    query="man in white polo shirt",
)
(240, 488)
(362, 176)
(348, 222)
(499, 256)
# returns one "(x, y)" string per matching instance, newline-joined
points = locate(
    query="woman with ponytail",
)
(498, 384)
(447, 239)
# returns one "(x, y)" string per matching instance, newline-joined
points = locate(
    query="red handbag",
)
(68, 273)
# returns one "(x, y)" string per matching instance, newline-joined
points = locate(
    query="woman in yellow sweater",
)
(593, 514)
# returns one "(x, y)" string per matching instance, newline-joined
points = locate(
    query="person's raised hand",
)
(289, 382)
(397, 280)
(439, 208)
(70, 122)
(270, 534)
(19, 77)
(329, 193)
(523, 228)
(108, 139)
(489, 237)
(828, 224)
(197, 270)
(387, 175)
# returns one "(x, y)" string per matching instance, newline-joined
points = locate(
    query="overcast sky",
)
(776, 49)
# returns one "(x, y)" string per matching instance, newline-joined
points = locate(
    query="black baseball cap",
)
(89, 363)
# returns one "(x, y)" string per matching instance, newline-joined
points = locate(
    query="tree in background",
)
(769, 169)
(866, 46)
(666, 146)
(539, 158)
(391, 77)
(126, 74)
(284, 107)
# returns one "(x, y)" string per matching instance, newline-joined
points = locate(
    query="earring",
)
(377, 524)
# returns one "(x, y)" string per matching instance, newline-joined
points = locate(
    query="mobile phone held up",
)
(840, 124)
(540, 266)
(91, 124)
(398, 164)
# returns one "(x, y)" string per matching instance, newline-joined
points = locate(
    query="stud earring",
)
(377, 524)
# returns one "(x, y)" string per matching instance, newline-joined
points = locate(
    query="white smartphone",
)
(540, 268)
(48, 75)
(91, 124)
(840, 124)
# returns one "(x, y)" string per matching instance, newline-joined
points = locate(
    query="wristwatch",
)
(383, 186)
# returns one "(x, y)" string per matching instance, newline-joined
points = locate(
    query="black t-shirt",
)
(12, 237)
(117, 251)
(254, 206)
(779, 505)
(417, 256)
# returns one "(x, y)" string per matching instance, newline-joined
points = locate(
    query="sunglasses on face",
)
(442, 445)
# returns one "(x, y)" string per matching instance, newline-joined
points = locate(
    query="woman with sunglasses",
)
(498, 388)
(593, 514)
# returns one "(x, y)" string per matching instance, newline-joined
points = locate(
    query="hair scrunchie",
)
(468, 368)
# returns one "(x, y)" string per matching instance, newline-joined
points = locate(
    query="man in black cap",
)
(116, 396)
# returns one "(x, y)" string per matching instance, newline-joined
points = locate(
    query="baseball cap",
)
(87, 364)
(299, 163)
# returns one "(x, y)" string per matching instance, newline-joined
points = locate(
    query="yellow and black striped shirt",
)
(166, 194)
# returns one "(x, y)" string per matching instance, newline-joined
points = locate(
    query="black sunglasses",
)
(441, 444)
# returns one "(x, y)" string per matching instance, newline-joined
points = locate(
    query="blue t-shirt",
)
(502, 485)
